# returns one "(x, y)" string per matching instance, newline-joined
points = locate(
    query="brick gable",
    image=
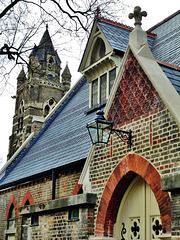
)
(135, 95)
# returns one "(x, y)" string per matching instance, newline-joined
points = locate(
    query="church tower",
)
(38, 92)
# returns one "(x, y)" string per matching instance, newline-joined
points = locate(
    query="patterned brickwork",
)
(136, 106)
(135, 95)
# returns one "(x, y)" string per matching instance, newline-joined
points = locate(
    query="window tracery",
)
(48, 106)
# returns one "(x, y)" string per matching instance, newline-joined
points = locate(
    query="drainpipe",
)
(53, 184)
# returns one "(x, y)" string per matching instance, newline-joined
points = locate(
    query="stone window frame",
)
(21, 116)
(48, 106)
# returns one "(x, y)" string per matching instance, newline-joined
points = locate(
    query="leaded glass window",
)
(103, 86)
(112, 76)
(95, 92)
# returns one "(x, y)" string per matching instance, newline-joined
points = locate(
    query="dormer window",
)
(101, 87)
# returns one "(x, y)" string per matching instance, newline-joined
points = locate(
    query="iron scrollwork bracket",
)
(125, 136)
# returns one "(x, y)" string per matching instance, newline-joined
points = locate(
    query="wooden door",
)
(138, 216)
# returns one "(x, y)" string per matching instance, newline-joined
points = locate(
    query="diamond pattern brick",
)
(135, 95)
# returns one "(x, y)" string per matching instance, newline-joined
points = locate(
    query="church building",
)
(105, 163)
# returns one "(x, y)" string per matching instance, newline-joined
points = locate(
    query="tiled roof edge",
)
(163, 21)
(168, 65)
(105, 20)
(43, 130)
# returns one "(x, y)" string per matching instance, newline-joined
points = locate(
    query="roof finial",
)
(137, 15)
(98, 13)
(46, 26)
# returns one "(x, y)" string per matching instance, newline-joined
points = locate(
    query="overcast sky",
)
(157, 11)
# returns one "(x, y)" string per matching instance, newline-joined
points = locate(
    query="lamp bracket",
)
(125, 136)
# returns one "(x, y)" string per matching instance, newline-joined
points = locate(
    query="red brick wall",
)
(34, 192)
(136, 106)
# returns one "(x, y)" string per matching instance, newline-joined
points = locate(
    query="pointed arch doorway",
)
(118, 185)
(138, 216)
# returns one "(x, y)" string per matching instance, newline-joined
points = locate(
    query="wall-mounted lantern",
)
(101, 129)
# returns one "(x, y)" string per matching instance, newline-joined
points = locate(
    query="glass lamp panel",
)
(94, 134)
(104, 132)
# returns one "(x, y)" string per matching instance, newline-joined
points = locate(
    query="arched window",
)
(46, 110)
(98, 51)
(20, 118)
(50, 63)
(11, 218)
(48, 106)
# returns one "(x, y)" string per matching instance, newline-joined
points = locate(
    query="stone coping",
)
(75, 200)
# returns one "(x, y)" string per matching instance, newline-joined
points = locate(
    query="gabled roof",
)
(161, 82)
(118, 34)
(63, 140)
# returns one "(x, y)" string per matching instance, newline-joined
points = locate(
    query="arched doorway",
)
(126, 171)
(138, 216)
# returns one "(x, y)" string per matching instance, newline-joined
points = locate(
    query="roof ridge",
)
(117, 24)
(169, 65)
(163, 21)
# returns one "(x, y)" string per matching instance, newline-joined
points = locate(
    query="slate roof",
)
(173, 75)
(118, 34)
(166, 46)
(62, 141)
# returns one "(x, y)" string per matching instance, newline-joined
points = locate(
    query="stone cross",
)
(137, 15)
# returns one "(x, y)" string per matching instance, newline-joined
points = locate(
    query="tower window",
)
(20, 119)
(48, 106)
(50, 63)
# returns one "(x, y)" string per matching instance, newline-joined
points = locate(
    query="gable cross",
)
(137, 15)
